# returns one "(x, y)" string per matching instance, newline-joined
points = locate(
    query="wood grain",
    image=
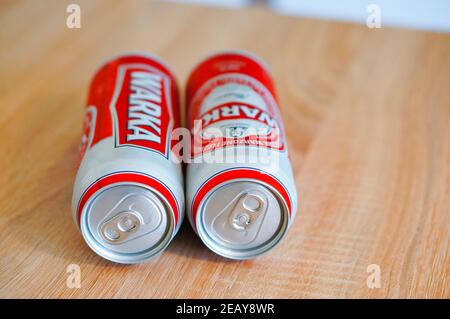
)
(367, 114)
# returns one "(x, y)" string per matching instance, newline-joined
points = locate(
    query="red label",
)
(264, 133)
(233, 96)
(237, 111)
(141, 108)
(134, 100)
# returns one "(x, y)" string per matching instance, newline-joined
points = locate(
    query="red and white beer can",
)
(128, 197)
(240, 188)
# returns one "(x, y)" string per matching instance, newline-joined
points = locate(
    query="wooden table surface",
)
(367, 113)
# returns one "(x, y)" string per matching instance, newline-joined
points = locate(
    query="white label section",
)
(232, 92)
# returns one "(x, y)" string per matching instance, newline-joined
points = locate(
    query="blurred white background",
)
(431, 15)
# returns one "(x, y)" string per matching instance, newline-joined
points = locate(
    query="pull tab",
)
(247, 211)
(120, 226)
(133, 216)
(241, 220)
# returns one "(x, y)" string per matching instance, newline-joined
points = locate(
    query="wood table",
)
(367, 113)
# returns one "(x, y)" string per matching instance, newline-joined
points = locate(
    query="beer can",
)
(240, 188)
(128, 197)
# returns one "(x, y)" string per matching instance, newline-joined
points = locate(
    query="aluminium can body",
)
(240, 190)
(128, 197)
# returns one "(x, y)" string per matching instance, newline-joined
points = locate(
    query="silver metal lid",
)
(242, 219)
(127, 224)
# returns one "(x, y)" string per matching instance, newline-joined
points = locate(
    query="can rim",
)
(122, 258)
(236, 254)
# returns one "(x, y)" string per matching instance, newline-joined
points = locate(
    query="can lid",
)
(242, 219)
(127, 223)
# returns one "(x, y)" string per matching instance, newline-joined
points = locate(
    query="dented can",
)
(128, 197)
(240, 188)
